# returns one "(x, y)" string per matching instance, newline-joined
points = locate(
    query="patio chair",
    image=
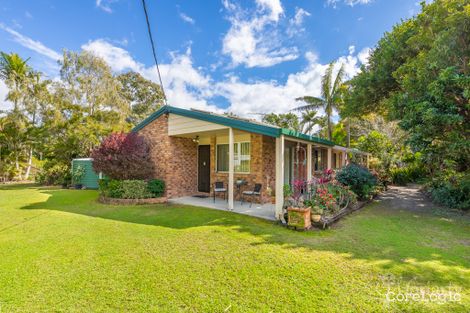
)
(219, 187)
(256, 192)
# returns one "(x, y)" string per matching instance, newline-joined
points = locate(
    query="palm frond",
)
(312, 103)
(326, 82)
(338, 81)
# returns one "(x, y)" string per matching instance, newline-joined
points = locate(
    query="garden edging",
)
(117, 201)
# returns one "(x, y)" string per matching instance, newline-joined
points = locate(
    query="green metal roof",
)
(238, 123)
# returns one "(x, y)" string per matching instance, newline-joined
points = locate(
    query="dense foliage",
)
(359, 179)
(54, 174)
(78, 174)
(123, 156)
(453, 192)
(156, 187)
(52, 122)
(419, 74)
(329, 198)
(131, 188)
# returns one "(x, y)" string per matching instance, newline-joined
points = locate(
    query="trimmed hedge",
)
(131, 188)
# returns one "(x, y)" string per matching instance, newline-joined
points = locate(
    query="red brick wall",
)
(175, 161)
(262, 167)
(175, 158)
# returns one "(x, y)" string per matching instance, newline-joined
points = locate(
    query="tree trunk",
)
(17, 164)
(330, 131)
(349, 133)
(30, 164)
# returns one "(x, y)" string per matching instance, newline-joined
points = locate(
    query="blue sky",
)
(242, 56)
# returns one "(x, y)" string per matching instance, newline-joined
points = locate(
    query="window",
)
(242, 157)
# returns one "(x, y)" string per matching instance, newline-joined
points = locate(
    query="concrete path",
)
(409, 198)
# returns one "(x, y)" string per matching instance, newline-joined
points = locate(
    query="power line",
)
(153, 49)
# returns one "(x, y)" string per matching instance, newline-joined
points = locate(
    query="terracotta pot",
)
(316, 218)
(299, 218)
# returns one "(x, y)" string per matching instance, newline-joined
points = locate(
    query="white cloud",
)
(32, 44)
(364, 55)
(185, 86)
(188, 86)
(105, 5)
(299, 16)
(28, 15)
(118, 58)
(4, 104)
(273, 6)
(187, 18)
(253, 39)
(295, 23)
(348, 2)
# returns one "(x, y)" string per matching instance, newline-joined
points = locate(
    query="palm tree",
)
(309, 119)
(330, 98)
(13, 70)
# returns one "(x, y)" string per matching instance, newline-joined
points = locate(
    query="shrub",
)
(156, 187)
(78, 174)
(359, 179)
(54, 173)
(330, 198)
(409, 174)
(453, 193)
(123, 156)
(115, 189)
(135, 189)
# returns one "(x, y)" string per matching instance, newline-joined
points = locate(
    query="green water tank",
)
(90, 180)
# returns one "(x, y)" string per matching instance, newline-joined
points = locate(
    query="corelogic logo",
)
(400, 292)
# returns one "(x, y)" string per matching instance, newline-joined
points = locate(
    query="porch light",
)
(196, 139)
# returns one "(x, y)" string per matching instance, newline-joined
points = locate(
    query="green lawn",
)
(61, 251)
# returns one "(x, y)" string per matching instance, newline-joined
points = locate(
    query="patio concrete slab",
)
(265, 211)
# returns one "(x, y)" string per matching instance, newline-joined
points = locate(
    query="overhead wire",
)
(153, 50)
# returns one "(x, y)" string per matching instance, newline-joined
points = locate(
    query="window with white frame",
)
(242, 157)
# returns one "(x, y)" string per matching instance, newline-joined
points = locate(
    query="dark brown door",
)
(204, 168)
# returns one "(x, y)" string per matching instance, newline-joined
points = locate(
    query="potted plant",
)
(317, 212)
(298, 215)
(77, 176)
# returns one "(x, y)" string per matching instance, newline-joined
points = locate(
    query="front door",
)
(204, 168)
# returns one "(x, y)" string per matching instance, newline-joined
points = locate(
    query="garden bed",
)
(326, 222)
(117, 201)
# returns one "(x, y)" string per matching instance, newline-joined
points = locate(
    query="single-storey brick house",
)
(193, 149)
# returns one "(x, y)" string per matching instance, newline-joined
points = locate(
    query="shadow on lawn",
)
(390, 238)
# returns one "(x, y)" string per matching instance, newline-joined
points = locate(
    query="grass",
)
(62, 251)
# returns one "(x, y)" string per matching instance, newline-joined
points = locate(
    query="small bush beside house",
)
(359, 179)
(124, 160)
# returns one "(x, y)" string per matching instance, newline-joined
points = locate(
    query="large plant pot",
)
(316, 218)
(299, 218)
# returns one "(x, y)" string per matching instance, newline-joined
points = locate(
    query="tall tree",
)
(89, 102)
(13, 70)
(143, 96)
(419, 74)
(330, 96)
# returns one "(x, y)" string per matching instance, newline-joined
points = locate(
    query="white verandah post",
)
(231, 165)
(329, 157)
(279, 176)
(309, 162)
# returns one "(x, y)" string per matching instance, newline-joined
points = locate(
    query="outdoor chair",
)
(219, 187)
(256, 192)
